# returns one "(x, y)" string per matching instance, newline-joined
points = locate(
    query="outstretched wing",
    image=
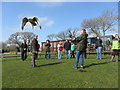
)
(24, 21)
(38, 22)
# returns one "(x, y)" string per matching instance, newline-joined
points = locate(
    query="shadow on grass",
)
(50, 64)
(93, 64)
(96, 59)
(82, 71)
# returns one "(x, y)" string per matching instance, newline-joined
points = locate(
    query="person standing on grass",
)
(80, 48)
(86, 44)
(60, 49)
(108, 44)
(24, 51)
(35, 49)
(17, 50)
(47, 49)
(72, 50)
(115, 48)
(98, 47)
(67, 47)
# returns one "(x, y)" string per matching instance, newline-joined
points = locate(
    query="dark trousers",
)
(72, 54)
(85, 54)
(34, 57)
(47, 54)
(24, 55)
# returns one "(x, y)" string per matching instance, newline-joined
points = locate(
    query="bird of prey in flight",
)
(34, 21)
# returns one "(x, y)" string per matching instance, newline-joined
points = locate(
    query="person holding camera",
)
(80, 48)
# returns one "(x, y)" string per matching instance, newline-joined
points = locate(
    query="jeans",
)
(47, 55)
(79, 54)
(59, 54)
(99, 53)
(67, 54)
(85, 54)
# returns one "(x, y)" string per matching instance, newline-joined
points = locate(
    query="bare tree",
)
(72, 33)
(62, 35)
(19, 37)
(107, 20)
(15, 39)
(51, 37)
(102, 23)
(92, 25)
(67, 34)
(27, 36)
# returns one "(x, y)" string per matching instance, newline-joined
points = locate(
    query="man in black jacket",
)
(24, 51)
(67, 47)
(84, 53)
(35, 49)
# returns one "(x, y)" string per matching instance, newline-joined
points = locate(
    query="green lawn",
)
(56, 73)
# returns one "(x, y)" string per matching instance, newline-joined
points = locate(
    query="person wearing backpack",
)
(60, 49)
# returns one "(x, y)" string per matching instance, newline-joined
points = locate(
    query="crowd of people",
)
(76, 46)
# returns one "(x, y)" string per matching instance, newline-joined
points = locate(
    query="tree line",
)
(97, 26)
(14, 41)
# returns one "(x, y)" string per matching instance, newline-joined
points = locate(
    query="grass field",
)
(56, 73)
